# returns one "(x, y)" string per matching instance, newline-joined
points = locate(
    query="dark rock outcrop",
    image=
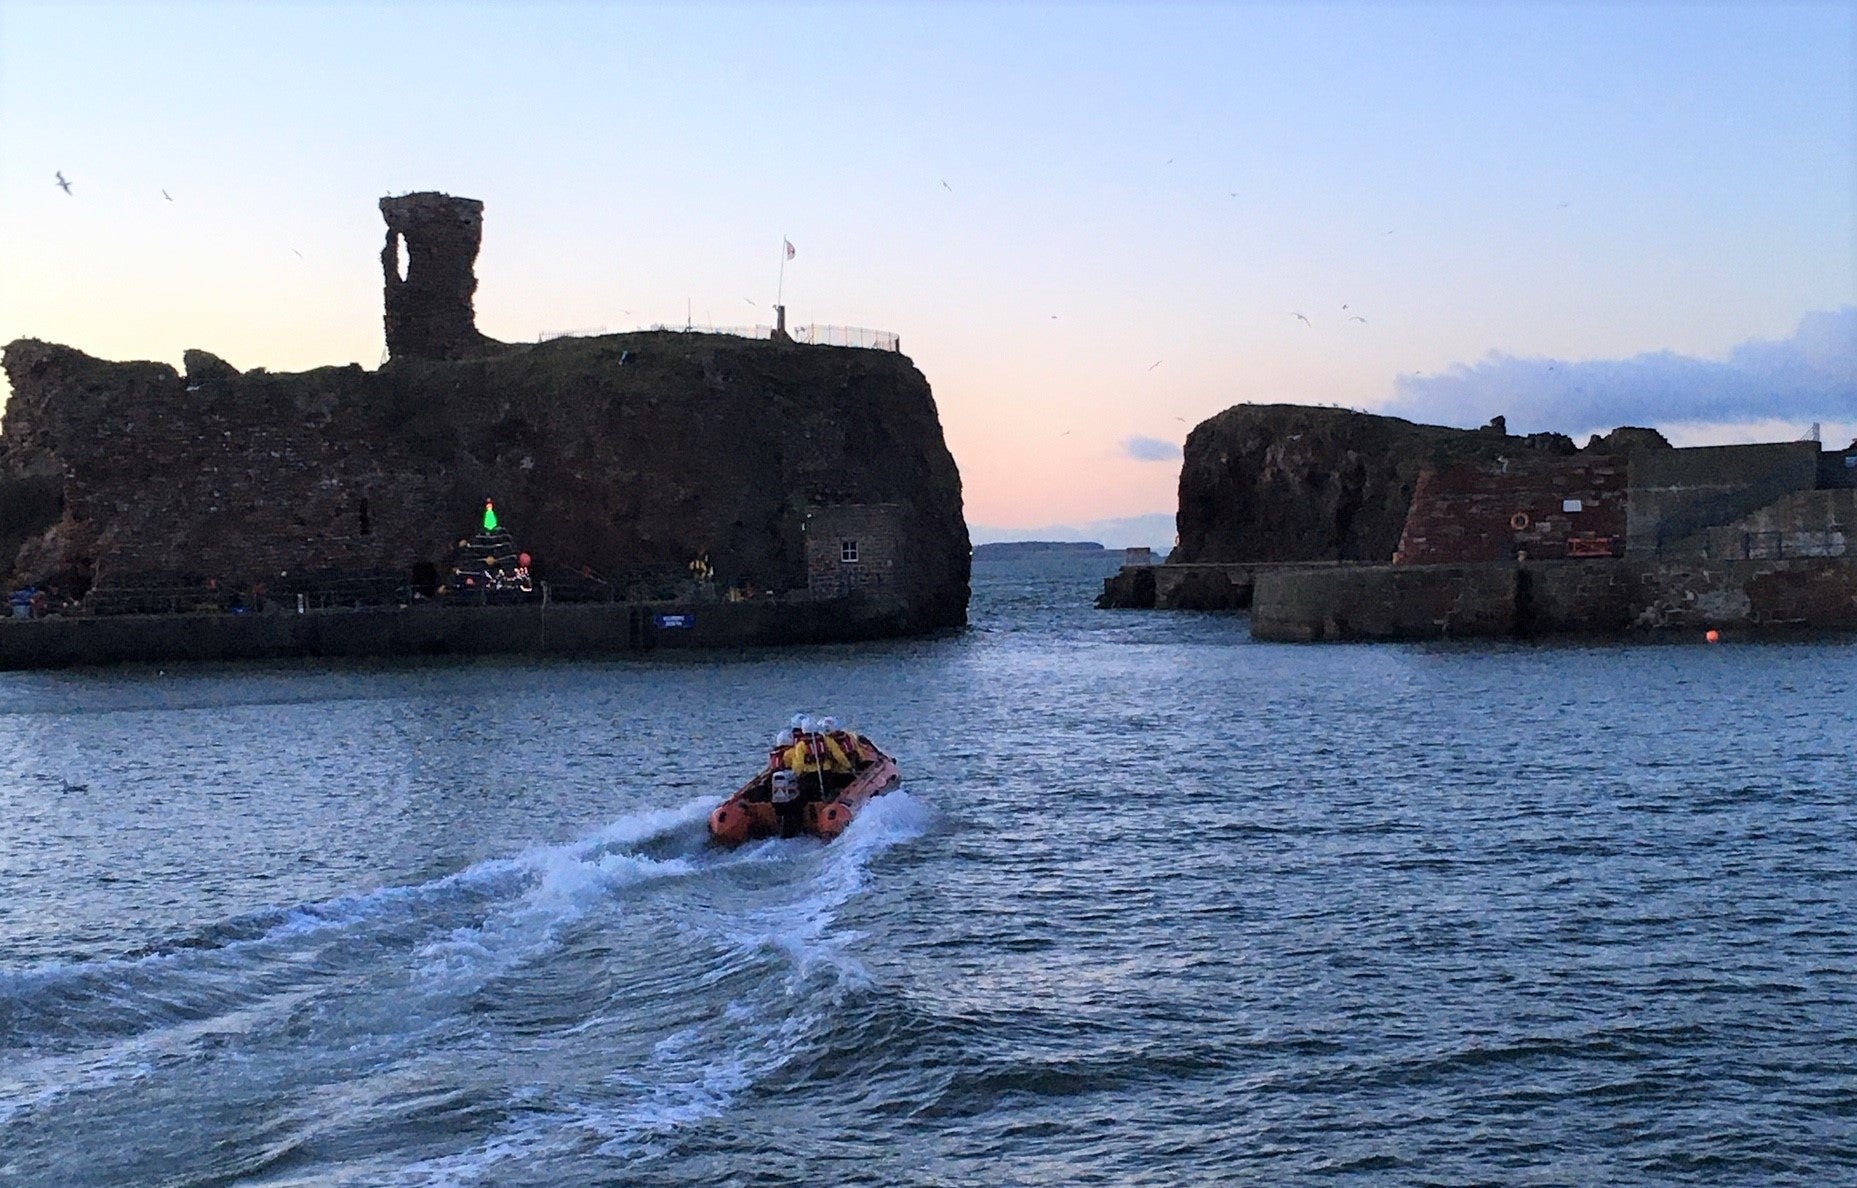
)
(613, 453)
(648, 453)
(1285, 482)
(1627, 439)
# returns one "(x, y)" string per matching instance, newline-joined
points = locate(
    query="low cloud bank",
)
(1811, 376)
(1150, 449)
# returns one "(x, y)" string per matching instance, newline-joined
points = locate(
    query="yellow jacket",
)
(820, 752)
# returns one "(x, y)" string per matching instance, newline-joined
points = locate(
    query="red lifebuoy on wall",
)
(1518, 521)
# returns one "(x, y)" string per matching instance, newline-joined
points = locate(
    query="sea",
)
(1155, 905)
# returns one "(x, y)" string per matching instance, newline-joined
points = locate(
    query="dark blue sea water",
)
(1156, 905)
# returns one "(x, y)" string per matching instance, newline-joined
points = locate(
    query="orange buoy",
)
(1712, 635)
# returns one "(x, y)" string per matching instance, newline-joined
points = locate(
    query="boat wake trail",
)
(572, 1000)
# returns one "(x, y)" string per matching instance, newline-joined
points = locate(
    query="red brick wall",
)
(1492, 512)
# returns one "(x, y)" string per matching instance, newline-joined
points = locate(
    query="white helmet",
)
(784, 739)
(806, 725)
(828, 724)
(798, 722)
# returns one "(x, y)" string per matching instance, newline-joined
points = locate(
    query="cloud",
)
(1811, 376)
(1150, 449)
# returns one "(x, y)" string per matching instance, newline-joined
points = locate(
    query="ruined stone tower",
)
(429, 313)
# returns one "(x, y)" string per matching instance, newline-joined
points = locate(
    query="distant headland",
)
(650, 472)
(1020, 548)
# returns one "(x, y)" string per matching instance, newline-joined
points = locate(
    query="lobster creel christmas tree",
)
(489, 563)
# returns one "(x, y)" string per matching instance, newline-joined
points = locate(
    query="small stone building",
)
(854, 548)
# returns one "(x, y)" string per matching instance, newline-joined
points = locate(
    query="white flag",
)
(789, 244)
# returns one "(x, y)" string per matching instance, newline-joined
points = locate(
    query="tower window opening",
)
(848, 551)
(400, 262)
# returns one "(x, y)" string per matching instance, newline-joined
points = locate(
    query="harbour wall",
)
(1196, 585)
(535, 629)
(1583, 597)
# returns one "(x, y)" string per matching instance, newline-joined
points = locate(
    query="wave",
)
(776, 975)
(557, 947)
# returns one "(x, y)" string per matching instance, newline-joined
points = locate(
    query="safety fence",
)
(813, 334)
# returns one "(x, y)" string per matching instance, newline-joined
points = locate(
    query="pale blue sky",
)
(1547, 182)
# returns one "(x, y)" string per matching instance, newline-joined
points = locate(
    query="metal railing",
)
(814, 334)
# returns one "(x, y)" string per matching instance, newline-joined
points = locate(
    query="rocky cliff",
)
(605, 456)
(1284, 482)
(612, 453)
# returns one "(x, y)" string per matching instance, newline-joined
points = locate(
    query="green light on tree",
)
(489, 516)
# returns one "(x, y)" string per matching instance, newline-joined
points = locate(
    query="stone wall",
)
(427, 630)
(1759, 593)
(1805, 524)
(1595, 597)
(853, 549)
(1384, 602)
(1542, 506)
(1676, 495)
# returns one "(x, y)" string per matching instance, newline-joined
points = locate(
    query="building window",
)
(1571, 505)
(848, 551)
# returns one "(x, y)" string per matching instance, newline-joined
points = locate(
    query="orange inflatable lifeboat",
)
(813, 785)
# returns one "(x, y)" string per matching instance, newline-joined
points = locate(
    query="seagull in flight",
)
(1155, 364)
(167, 195)
(296, 253)
(1305, 321)
(62, 183)
(946, 186)
(1357, 318)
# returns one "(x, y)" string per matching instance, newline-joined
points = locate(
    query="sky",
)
(1092, 225)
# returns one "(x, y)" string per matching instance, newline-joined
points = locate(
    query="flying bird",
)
(946, 186)
(167, 195)
(296, 253)
(62, 183)
(1305, 321)
(749, 300)
(1356, 318)
(1155, 364)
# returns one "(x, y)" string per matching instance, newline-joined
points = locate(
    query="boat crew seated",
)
(814, 753)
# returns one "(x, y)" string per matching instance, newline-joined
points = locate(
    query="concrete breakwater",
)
(533, 629)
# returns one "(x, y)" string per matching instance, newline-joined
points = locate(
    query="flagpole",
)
(781, 288)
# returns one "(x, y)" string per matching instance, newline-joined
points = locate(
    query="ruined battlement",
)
(429, 265)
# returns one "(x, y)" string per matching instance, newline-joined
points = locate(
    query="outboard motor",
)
(784, 791)
(785, 786)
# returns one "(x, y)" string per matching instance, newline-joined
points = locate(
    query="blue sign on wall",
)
(676, 621)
